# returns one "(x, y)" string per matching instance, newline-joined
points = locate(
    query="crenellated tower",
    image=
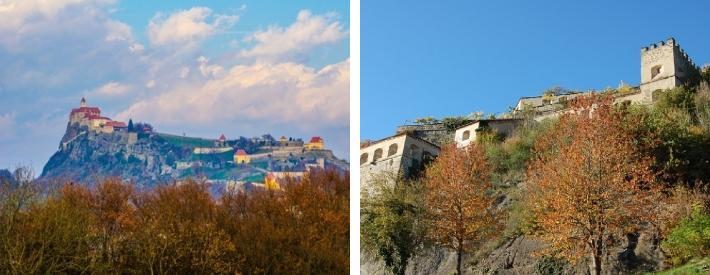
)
(664, 65)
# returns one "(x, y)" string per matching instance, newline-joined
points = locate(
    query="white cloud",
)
(7, 126)
(184, 72)
(285, 93)
(187, 27)
(308, 32)
(113, 89)
(15, 13)
(208, 70)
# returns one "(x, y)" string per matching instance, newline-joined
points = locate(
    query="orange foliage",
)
(179, 229)
(591, 180)
(457, 200)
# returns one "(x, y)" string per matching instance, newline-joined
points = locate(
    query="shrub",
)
(391, 217)
(550, 265)
(690, 239)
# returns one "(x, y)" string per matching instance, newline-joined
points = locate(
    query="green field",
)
(255, 178)
(187, 142)
(701, 266)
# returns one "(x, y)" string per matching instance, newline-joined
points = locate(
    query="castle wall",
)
(664, 65)
(410, 154)
(434, 133)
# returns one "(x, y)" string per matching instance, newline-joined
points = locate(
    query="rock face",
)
(87, 157)
(516, 256)
(640, 252)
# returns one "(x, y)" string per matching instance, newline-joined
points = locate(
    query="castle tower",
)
(83, 102)
(664, 65)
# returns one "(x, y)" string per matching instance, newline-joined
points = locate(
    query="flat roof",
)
(398, 135)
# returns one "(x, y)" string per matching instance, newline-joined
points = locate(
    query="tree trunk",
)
(597, 257)
(458, 259)
(596, 261)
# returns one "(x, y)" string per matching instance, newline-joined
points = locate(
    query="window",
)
(392, 150)
(363, 158)
(378, 155)
(466, 135)
(656, 70)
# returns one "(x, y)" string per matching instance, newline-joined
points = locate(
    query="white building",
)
(402, 153)
(468, 133)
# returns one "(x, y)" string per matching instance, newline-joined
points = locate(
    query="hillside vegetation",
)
(609, 189)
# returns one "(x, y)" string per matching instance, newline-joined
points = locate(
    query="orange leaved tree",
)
(457, 200)
(591, 180)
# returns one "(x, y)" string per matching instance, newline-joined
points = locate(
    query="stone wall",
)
(434, 133)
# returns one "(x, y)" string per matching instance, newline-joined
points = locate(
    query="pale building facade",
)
(467, 134)
(402, 154)
(664, 65)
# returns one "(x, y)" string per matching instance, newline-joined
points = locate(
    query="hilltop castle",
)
(664, 65)
(91, 117)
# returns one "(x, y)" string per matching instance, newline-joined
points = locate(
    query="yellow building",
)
(271, 183)
(315, 144)
(283, 141)
(241, 157)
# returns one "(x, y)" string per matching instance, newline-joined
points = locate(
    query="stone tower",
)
(664, 65)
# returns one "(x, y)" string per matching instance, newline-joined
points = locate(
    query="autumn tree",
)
(591, 180)
(458, 201)
(178, 231)
(303, 228)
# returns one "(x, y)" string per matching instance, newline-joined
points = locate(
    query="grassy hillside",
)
(701, 266)
(187, 142)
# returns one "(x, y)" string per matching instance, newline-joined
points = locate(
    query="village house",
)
(316, 143)
(241, 157)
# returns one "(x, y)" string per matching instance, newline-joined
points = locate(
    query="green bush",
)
(690, 239)
(550, 265)
(391, 220)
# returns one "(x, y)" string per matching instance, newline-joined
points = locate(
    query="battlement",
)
(669, 42)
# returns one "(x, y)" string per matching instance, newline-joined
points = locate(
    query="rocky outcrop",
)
(86, 156)
(640, 252)
(515, 256)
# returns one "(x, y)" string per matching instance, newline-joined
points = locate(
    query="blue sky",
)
(457, 57)
(242, 68)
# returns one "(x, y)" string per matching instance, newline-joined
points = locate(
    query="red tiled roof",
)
(85, 110)
(241, 152)
(316, 139)
(95, 116)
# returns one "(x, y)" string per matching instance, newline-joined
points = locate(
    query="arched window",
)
(363, 158)
(378, 155)
(466, 135)
(392, 150)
